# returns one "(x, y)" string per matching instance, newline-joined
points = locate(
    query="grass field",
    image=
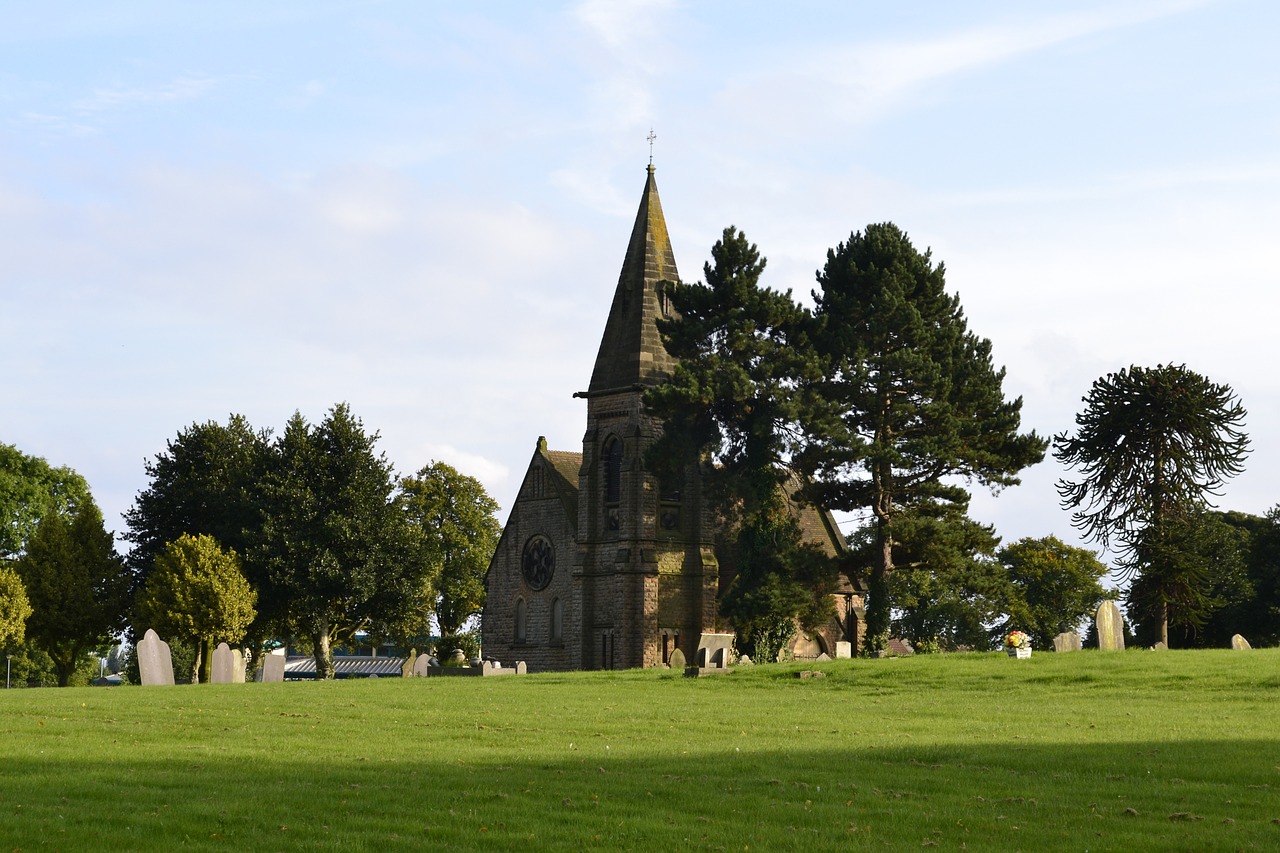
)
(1087, 751)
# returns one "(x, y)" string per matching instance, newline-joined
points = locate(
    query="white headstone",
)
(155, 663)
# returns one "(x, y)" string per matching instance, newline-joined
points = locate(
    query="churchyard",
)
(1134, 750)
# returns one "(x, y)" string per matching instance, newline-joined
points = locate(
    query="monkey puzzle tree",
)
(911, 404)
(1151, 447)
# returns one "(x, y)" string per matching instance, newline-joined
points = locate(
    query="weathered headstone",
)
(1160, 646)
(1110, 627)
(677, 660)
(1067, 641)
(521, 667)
(844, 649)
(406, 668)
(228, 665)
(1239, 643)
(273, 666)
(155, 663)
(713, 650)
(422, 665)
(823, 656)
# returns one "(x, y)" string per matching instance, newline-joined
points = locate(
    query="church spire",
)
(631, 353)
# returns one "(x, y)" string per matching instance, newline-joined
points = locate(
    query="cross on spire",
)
(652, 136)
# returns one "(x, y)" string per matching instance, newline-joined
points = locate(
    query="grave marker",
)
(155, 663)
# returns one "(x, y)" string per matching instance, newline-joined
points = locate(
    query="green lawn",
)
(1086, 751)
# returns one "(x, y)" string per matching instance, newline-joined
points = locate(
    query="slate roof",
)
(631, 353)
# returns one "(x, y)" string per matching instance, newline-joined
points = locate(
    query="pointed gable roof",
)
(631, 352)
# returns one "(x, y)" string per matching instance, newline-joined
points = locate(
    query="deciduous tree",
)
(913, 404)
(1151, 447)
(15, 607)
(1054, 586)
(30, 489)
(452, 517)
(197, 591)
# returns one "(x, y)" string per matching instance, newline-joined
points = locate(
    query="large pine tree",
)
(911, 404)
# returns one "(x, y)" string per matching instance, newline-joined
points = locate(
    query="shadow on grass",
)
(1193, 795)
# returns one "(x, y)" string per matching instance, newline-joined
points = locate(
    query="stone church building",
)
(601, 566)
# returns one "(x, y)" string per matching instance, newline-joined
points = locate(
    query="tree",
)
(911, 405)
(1055, 586)
(77, 584)
(946, 588)
(15, 607)
(1251, 603)
(453, 519)
(335, 544)
(742, 355)
(1152, 445)
(208, 482)
(196, 591)
(30, 489)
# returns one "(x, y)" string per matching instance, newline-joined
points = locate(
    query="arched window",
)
(612, 471)
(557, 620)
(520, 620)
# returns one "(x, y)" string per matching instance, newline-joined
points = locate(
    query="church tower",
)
(602, 565)
(646, 560)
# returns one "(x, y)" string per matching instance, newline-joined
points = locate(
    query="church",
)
(601, 565)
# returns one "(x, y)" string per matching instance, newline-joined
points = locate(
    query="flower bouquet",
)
(1017, 644)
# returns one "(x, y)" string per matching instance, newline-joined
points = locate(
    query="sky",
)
(421, 209)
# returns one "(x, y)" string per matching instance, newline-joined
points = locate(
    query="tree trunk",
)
(1164, 623)
(877, 638)
(322, 650)
(196, 661)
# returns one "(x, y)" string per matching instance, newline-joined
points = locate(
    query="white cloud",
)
(185, 88)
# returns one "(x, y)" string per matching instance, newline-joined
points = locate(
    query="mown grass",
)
(1087, 751)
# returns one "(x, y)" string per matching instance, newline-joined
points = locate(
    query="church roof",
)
(631, 352)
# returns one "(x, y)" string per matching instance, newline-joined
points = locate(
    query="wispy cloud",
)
(859, 82)
(188, 87)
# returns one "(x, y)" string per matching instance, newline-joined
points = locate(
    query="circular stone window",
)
(539, 563)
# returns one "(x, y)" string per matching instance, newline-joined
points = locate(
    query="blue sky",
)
(421, 208)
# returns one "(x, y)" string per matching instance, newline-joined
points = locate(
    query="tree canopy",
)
(30, 489)
(1054, 587)
(1152, 446)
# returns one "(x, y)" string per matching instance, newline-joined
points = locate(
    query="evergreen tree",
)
(1152, 445)
(77, 584)
(911, 404)
(335, 543)
(732, 403)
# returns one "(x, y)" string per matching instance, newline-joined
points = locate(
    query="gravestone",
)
(228, 665)
(155, 663)
(677, 660)
(1239, 643)
(713, 650)
(1067, 641)
(1110, 627)
(844, 649)
(823, 656)
(406, 668)
(521, 667)
(273, 667)
(1160, 647)
(422, 665)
